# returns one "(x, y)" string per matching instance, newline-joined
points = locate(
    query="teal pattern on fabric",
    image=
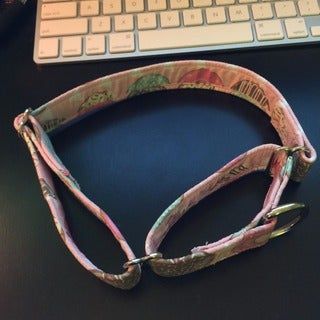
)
(167, 212)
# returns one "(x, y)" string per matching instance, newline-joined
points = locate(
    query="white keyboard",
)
(82, 30)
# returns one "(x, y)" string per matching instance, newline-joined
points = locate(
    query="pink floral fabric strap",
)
(291, 160)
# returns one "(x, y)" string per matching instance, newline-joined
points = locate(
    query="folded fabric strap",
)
(291, 160)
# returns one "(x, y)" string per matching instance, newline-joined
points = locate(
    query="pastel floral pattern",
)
(83, 100)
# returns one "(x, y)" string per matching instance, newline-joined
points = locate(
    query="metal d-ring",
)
(283, 209)
(150, 256)
(292, 150)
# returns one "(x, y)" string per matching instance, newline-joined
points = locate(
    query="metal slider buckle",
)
(289, 151)
(284, 209)
(150, 256)
(24, 119)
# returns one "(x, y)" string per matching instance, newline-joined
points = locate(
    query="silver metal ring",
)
(150, 256)
(283, 209)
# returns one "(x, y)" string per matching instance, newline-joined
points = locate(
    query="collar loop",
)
(294, 162)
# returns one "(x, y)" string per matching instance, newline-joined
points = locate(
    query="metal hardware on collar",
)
(283, 209)
(24, 118)
(292, 150)
(289, 151)
(150, 256)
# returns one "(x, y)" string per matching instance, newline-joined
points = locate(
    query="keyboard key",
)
(308, 7)
(71, 46)
(192, 17)
(216, 15)
(239, 13)
(269, 30)
(100, 24)
(262, 11)
(111, 6)
(247, 1)
(123, 22)
(134, 6)
(156, 5)
(48, 48)
(147, 21)
(89, 8)
(195, 36)
(122, 42)
(95, 44)
(296, 28)
(224, 2)
(285, 9)
(179, 4)
(59, 10)
(169, 19)
(315, 31)
(63, 27)
(202, 3)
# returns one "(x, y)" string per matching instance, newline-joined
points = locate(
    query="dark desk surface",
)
(134, 159)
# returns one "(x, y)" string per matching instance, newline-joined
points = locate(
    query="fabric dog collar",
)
(291, 160)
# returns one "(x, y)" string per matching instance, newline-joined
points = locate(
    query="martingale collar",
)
(290, 160)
